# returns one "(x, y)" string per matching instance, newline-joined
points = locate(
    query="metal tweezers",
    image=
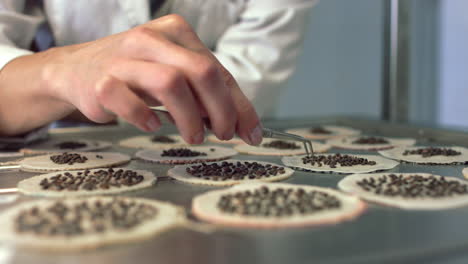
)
(267, 133)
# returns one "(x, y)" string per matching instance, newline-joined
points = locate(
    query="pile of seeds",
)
(182, 152)
(100, 179)
(68, 158)
(234, 170)
(280, 144)
(162, 139)
(70, 145)
(84, 218)
(279, 202)
(432, 151)
(335, 159)
(413, 186)
(320, 130)
(370, 141)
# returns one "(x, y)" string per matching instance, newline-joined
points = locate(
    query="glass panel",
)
(340, 70)
(453, 93)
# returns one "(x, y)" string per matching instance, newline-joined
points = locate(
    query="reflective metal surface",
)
(381, 235)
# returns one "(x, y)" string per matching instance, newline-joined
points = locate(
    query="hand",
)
(162, 62)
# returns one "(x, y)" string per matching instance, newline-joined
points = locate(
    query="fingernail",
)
(255, 135)
(198, 138)
(228, 135)
(153, 123)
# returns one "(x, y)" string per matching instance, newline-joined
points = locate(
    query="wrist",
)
(51, 71)
(25, 101)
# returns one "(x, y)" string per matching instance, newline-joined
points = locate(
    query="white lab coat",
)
(258, 41)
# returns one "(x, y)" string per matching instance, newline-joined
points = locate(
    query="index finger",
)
(248, 125)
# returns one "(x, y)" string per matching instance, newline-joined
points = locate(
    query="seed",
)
(432, 151)
(236, 171)
(83, 218)
(182, 152)
(319, 130)
(281, 144)
(370, 140)
(336, 159)
(100, 179)
(68, 158)
(279, 202)
(162, 139)
(413, 186)
(70, 145)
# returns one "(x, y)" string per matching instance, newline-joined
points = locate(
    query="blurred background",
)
(344, 67)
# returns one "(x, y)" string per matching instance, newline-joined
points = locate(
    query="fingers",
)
(208, 86)
(203, 75)
(180, 102)
(248, 123)
(206, 80)
(179, 31)
(169, 86)
(115, 96)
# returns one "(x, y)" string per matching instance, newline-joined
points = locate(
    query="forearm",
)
(120, 75)
(26, 102)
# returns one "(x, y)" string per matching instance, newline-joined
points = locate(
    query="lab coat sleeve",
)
(261, 50)
(17, 29)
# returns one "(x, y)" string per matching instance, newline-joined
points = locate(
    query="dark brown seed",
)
(182, 152)
(101, 179)
(336, 159)
(413, 186)
(162, 139)
(68, 158)
(320, 130)
(236, 171)
(83, 218)
(281, 144)
(277, 203)
(432, 151)
(70, 145)
(370, 141)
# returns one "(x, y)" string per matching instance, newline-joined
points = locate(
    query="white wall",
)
(340, 70)
(453, 93)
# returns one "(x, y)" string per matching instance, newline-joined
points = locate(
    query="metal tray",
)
(381, 235)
